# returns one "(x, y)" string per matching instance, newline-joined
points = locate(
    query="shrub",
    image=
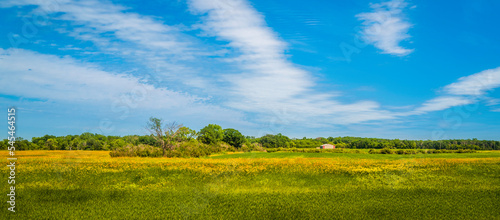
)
(386, 151)
(245, 148)
(191, 148)
(271, 150)
(140, 150)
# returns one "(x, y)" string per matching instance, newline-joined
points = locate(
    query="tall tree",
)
(233, 137)
(172, 134)
(155, 127)
(211, 134)
(186, 134)
(164, 134)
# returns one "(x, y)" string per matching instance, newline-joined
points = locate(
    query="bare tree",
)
(165, 135)
(172, 134)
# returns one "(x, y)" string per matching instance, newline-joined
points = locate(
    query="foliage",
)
(249, 147)
(170, 136)
(211, 134)
(233, 137)
(186, 134)
(274, 141)
(419, 151)
(137, 151)
(190, 148)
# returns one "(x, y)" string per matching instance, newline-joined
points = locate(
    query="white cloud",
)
(492, 101)
(476, 84)
(32, 75)
(266, 82)
(92, 18)
(269, 81)
(116, 30)
(444, 102)
(386, 27)
(467, 90)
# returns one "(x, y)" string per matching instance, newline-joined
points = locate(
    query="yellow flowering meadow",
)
(122, 187)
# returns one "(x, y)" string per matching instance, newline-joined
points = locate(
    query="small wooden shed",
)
(327, 146)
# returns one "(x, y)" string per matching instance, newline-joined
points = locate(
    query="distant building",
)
(327, 146)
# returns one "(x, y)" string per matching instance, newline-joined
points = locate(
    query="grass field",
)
(92, 185)
(363, 155)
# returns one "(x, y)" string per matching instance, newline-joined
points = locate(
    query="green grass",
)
(363, 155)
(91, 185)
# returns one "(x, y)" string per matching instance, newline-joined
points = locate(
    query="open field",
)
(362, 155)
(92, 185)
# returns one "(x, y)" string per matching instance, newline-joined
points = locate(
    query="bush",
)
(191, 148)
(140, 150)
(245, 148)
(222, 147)
(386, 151)
(271, 150)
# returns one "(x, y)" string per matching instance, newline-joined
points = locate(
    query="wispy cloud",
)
(269, 81)
(386, 27)
(264, 81)
(93, 18)
(257, 78)
(444, 102)
(467, 90)
(116, 30)
(66, 80)
(476, 84)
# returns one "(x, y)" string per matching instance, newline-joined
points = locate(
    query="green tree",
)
(148, 140)
(51, 144)
(186, 134)
(233, 137)
(211, 134)
(274, 141)
(93, 144)
(117, 143)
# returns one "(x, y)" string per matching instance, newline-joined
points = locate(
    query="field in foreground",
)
(92, 185)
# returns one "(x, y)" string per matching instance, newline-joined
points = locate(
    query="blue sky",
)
(388, 69)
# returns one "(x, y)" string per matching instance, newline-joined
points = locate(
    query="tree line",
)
(169, 137)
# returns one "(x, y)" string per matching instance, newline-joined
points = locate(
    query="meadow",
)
(257, 185)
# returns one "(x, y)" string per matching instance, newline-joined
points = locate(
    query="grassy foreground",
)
(92, 185)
